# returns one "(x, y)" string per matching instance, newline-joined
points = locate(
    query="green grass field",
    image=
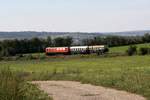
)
(120, 72)
(126, 73)
(122, 49)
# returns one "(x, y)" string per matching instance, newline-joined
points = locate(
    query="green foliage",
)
(29, 57)
(146, 38)
(31, 92)
(49, 41)
(141, 49)
(144, 50)
(106, 49)
(34, 45)
(122, 49)
(132, 50)
(112, 41)
(13, 87)
(9, 85)
(60, 41)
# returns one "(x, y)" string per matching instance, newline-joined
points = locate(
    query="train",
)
(99, 49)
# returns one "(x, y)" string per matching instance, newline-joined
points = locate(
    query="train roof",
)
(98, 46)
(57, 47)
(79, 47)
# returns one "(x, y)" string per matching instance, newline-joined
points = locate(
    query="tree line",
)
(117, 40)
(34, 45)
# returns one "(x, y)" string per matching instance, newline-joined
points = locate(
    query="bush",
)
(106, 50)
(131, 50)
(19, 55)
(144, 50)
(29, 57)
(1, 58)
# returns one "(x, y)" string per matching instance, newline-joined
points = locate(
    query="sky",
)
(74, 15)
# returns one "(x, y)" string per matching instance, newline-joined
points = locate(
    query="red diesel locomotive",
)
(57, 50)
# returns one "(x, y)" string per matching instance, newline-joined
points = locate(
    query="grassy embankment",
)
(14, 87)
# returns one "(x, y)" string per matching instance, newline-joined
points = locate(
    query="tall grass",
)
(13, 87)
(122, 72)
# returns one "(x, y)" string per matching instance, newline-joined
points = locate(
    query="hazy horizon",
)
(78, 31)
(74, 15)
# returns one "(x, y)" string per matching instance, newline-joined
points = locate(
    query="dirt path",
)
(67, 90)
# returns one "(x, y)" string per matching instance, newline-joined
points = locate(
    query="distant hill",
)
(130, 33)
(77, 36)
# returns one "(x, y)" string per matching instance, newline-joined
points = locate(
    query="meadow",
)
(113, 70)
(122, 49)
(126, 73)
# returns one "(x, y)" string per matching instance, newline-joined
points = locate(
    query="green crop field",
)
(126, 73)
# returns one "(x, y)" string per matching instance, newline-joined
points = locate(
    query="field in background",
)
(122, 49)
(124, 72)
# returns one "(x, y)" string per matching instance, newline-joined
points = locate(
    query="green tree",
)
(68, 41)
(49, 41)
(146, 38)
(58, 42)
